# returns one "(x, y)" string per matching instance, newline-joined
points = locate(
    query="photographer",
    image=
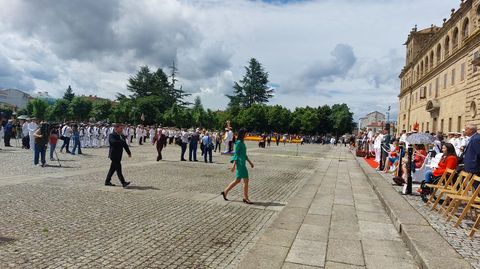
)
(40, 140)
(53, 139)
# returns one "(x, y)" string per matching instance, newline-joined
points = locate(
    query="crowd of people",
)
(459, 151)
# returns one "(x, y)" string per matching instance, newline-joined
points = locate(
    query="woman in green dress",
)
(239, 161)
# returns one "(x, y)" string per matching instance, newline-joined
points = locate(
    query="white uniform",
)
(377, 146)
(152, 134)
(32, 127)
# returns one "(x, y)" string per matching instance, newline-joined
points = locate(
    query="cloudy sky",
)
(316, 51)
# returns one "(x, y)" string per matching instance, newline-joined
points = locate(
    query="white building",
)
(14, 98)
(373, 117)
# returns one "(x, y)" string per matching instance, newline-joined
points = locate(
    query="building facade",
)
(440, 83)
(373, 117)
(14, 99)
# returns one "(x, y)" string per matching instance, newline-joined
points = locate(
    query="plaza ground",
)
(314, 208)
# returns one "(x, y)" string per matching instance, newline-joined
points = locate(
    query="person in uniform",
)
(117, 144)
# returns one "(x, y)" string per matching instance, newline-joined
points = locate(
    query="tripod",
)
(58, 159)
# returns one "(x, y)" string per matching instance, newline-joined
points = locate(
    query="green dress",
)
(240, 157)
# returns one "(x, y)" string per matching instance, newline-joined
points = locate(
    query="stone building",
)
(372, 117)
(440, 83)
(13, 98)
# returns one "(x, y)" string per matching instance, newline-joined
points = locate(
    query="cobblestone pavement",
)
(457, 237)
(171, 217)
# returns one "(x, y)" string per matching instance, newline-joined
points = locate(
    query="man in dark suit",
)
(117, 144)
(471, 156)
(161, 140)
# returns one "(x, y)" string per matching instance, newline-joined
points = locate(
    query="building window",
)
(447, 45)
(441, 125)
(404, 117)
(449, 124)
(462, 72)
(476, 55)
(422, 127)
(453, 76)
(423, 92)
(455, 38)
(439, 53)
(445, 77)
(428, 127)
(473, 109)
(466, 25)
(437, 82)
(430, 90)
(426, 64)
(431, 59)
(459, 123)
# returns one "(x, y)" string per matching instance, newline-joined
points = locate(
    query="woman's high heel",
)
(224, 196)
(247, 201)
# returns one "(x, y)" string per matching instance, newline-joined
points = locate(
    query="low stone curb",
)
(429, 248)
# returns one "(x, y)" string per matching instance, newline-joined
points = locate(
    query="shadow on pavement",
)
(142, 188)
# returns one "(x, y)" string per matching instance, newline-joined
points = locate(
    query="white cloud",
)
(96, 45)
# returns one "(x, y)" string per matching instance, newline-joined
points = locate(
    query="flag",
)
(142, 117)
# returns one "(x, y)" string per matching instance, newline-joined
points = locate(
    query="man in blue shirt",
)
(471, 157)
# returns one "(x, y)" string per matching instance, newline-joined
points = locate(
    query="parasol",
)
(420, 138)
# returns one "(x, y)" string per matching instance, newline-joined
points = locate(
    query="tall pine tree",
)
(253, 88)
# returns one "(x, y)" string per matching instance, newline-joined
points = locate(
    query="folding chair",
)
(461, 183)
(469, 196)
(445, 180)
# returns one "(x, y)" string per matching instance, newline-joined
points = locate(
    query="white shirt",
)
(32, 127)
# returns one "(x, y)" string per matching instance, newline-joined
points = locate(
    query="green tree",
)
(101, 110)
(342, 119)
(146, 83)
(80, 108)
(278, 118)
(39, 108)
(324, 119)
(253, 88)
(60, 110)
(253, 118)
(199, 115)
(123, 111)
(69, 95)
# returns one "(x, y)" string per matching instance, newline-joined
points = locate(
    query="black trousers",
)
(115, 166)
(66, 144)
(218, 146)
(6, 139)
(230, 146)
(184, 148)
(207, 151)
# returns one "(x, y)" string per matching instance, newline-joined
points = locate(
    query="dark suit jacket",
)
(117, 144)
(161, 140)
(471, 156)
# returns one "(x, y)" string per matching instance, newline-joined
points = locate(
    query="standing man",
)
(32, 128)
(471, 157)
(161, 140)
(193, 146)
(117, 145)
(67, 134)
(183, 144)
(25, 138)
(8, 132)
(385, 148)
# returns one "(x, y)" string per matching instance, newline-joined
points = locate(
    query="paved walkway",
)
(334, 221)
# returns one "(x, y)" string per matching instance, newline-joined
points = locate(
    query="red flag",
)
(142, 117)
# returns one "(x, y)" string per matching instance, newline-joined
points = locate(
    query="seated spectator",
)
(393, 157)
(419, 156)
(448, 161)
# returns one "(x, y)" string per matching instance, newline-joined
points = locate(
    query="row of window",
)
(425, 126)
(421, 93)
(428, 62)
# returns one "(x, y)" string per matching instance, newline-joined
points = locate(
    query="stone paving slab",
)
(428, 247)
(336, 229)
